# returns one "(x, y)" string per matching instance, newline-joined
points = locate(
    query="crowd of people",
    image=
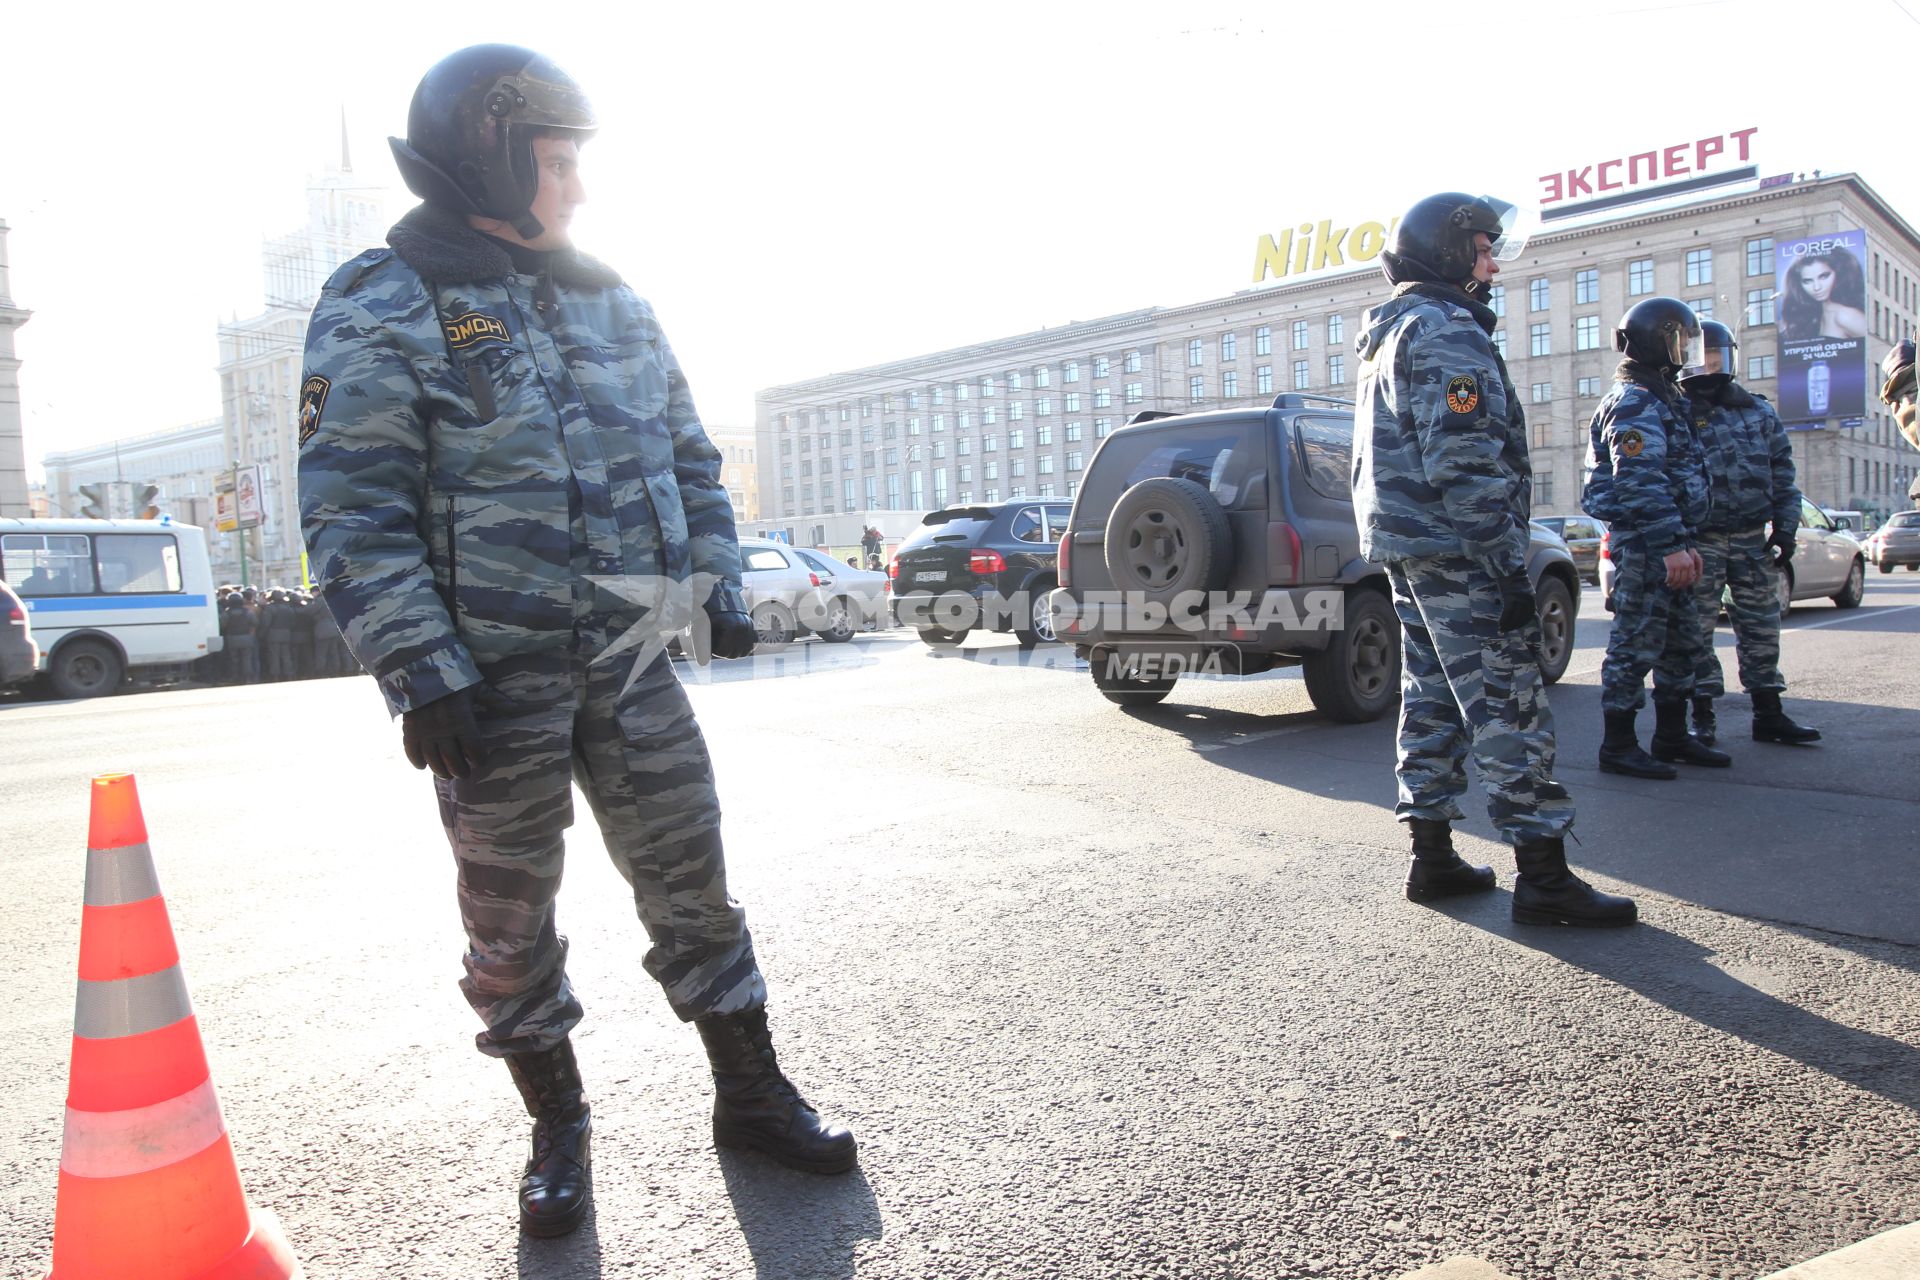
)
(277, 634)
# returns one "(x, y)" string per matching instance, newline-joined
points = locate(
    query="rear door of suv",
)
(935, 556)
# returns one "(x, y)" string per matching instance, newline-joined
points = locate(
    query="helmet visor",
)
(1689, 348)
(542, 95)
(1513, 229)
(1716, 356)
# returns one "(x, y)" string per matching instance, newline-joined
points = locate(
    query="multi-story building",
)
(1020, 415)
(183, 462)
(13, 449)
(738, 470)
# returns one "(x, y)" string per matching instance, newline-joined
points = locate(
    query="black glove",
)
(1782, 542)
(732, 627)
(443, 736)
(1517, 608)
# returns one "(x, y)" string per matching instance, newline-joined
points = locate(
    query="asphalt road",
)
(1104, 994)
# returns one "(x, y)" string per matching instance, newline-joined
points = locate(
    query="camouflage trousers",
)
(1466, 686)
(1654, 629)
(640, 760)
(1743, 563)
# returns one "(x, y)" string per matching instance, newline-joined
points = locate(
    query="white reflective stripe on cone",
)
(116, 1144)
(118, 876)
(130, 1006)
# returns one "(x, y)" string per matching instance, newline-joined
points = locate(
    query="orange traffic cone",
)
(148, 1184)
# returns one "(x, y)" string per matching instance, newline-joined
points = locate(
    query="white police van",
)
(109, 597)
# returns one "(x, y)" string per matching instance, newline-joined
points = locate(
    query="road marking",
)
(1244, 739)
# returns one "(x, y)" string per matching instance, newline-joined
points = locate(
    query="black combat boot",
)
(1547, 893)
(756, 1108)
(557, 1186)
(1438, 871)
(1620, 751)
(1705, 725)
(1771, 724)
(1672, 742)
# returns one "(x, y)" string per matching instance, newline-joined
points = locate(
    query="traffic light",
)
(146, 502)
(95, 504)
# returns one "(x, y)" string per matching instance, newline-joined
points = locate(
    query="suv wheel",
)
(1039, 628)
(941, 636)
(1855, 588)
(85, 669)
(1126, 686)
(1357, 676)
(772, 627)
(1166, 536)
(1556, 628)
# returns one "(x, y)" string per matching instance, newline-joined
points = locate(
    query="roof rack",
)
(1298, 400)
(1152, 415)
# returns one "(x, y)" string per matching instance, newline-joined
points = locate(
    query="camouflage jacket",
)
(1439, 438)
(1749, 461)
(485, 456)
(1644, 472)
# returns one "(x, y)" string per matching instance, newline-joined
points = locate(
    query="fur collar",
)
(445, 250)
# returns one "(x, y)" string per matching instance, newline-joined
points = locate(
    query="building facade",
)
(185, 462)
(13, 447)
(1020, 415)
(738, 469)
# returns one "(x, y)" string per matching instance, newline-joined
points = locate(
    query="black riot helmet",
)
(1434, 239)
(470, 131)
(1662, 333)
(1716, 354)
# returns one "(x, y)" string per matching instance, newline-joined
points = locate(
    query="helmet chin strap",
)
(528, 226)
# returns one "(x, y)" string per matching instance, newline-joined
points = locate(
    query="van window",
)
(47, 564)
(1326, 455)
(137, 562)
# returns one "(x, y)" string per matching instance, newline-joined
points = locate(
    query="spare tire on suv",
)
(1166, 535)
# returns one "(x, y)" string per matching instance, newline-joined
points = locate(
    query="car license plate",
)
(930, 575)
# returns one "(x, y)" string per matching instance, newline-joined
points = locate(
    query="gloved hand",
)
(1782, 543)
(731, 625)
(444, 736)
(1517, 607)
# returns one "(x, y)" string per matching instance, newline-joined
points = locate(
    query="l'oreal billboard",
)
(1821, 317)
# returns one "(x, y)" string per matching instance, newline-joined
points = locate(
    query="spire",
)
(346, 158)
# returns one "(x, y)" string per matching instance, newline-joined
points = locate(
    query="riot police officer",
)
(1897, 389)
(1442, 487)
(504, 483)
(1646, 479)
(1750, 482)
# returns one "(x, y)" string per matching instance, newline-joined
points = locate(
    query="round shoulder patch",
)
(1463, 394)
(1632, 443)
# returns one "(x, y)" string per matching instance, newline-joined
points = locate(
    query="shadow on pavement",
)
(799, 1223)
(568, 1257)
(1682, 975)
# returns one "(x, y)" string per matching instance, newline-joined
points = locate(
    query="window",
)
(1014, 382)
(1073, 402)
(1042, 377)
(1226, 346)
(939, 448)
(939, 422)
(1263, 341)
(961, 391)
(1760, 306)
(48, 564)
(866, 408)
(1299, 335)
(966, 474)
(1196, 386)
(1196, 352)
(988, 415)
(1103, 397)
(1132, 393)
(1539, 294)
(1760, 257)
(1500, 342)
(987, 387)
(939, 395)
(1017, 467)
(989, 471)
(1071, 373)
(1042, 406)
(1133, 362)
(963, 445)
(1702, 308)
(1099, 366)
(1044, 467)
(1497, 299)
(1543, 488)
(1586, 333)
(1070, 431)
(1300, 375)
(1229, 384)
(1699, 266)
(1336, 330)
(1016, 439)
(1101, 426)
(1540, 339)
(1759, 367)
(1542, 392)
(989, 442)
(1337, 369)
(1263, 380)
(1639, 277)
(1043, 434)
(1588, 387)
(913, 399)
(763, 558)
(992, 495)
(1016, 411)
(1586, 287)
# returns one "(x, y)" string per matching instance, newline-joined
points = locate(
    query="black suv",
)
(1225, 543)
(981, 565)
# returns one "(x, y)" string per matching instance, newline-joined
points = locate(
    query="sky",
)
(802, 189)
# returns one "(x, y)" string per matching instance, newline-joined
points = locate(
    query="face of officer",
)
(560, 193)
(1484, 267)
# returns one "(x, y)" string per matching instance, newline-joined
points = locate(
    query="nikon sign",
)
(1311, 248)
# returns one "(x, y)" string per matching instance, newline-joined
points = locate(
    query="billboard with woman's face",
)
(1822, 322)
